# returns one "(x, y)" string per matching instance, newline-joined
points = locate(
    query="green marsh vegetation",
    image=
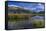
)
(17, 18)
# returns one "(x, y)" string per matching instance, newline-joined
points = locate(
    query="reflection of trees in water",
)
(20, 22)
(26, 23)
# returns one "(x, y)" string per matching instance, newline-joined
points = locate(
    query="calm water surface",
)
(25, 23)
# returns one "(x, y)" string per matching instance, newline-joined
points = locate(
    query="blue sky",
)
(31, 6)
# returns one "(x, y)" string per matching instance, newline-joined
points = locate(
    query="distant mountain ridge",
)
(15, 7)
(19, 7)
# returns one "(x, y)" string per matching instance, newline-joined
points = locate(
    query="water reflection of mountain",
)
(38, 17)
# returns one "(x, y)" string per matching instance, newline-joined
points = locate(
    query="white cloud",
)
(40, 6)
(13, 6)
